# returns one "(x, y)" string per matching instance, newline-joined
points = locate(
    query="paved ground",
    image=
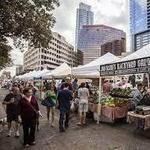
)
(92, 137)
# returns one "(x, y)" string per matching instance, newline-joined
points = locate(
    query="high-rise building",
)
(138, 16)
(116, 47)
(91, 38)
(84, 16)
(59, 51)
(19, 69)
(139, 22)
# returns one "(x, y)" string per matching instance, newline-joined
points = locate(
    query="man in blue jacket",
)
(64, 102)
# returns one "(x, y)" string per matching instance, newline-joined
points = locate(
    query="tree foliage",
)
(4, 54)
(25, 20)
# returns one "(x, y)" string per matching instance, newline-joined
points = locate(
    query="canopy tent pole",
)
(99, 100)
(41, 87)
(148, 79)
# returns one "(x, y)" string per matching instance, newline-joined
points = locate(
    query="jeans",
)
(64, 119)
(29, 128)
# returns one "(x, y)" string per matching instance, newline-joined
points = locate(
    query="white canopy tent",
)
(33, 74)
(61, 71)
(30, 75)
(92, 69)
(41, 73)
(23, 76)
(141, 53)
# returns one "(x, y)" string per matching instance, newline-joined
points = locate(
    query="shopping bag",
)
(72, 106)
(47, 102)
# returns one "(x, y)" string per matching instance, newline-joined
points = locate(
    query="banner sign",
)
(136, 66)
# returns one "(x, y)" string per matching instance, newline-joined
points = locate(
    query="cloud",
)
(109, 12)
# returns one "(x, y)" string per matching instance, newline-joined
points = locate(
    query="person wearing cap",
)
(11, 101)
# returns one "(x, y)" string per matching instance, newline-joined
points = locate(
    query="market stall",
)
(113, 106)
(61, 71)
(92, 71)
(141, 121)
(137, 62)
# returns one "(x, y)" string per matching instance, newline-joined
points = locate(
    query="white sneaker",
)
(17, 134)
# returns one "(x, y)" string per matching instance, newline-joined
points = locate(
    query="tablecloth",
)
(141, 121)
(110, 112)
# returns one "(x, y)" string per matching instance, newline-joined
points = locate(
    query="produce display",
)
(122, 93)
(113, 102)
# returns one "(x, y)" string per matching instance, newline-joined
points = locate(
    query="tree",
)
(25, 20)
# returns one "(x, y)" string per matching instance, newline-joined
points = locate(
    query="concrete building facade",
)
(59, 51)
(19, 69)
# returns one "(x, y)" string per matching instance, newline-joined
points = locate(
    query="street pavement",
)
(119, 136)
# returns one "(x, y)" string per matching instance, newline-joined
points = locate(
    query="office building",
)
(92, 37)
(141, 39)
(116, 47)
(84, 16)
(139, 23)
(19, 70)
(138, 16)
(59, 51)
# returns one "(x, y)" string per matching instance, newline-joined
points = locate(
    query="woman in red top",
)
(29, 109)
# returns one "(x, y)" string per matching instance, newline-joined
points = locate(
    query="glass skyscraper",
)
(139, 23)
(92, 37)
(84, 16)
(138, 16)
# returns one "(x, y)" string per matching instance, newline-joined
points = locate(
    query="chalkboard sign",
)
(136, 66)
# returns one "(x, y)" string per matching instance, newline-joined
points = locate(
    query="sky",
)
(109, 12)
(113, 13)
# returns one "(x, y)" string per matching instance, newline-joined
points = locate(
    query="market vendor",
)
(106, 87)
(146, 99)
(137, 95)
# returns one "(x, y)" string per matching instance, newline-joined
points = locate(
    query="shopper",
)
(68, 80)
(137, 95)
(75, 85)
(29, 110)
(11, 101)
(106, 87)
(83, 95)
(146, 99)
(34, 89)
(64, 102)
(51, 96)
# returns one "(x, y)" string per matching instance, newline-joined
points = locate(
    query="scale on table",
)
(143, 110)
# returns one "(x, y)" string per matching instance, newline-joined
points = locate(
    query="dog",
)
(3, 122)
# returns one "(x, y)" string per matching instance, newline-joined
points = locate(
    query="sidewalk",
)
(90, 137)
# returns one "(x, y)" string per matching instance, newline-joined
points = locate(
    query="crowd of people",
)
(22, 105)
